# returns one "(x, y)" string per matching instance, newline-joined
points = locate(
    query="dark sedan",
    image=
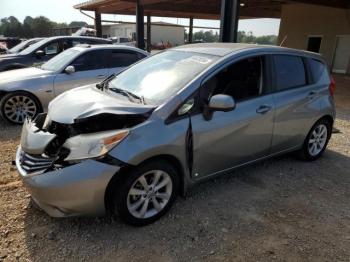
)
(45, 50)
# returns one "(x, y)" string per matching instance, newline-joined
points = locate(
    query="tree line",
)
(243, 37)
(39, 26)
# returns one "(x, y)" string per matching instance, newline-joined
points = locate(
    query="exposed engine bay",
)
(43, 139)
(92, 124)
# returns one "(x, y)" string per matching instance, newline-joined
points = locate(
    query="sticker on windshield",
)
(200, 59)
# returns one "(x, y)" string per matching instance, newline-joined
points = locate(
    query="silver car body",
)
(229, 140)
(46, 85)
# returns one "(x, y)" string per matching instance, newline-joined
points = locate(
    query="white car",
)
(27, 92)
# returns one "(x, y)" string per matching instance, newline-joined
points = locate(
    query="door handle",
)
(101, 76)
(263, 109)
(312, 94)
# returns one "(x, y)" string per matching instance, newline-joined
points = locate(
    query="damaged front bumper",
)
(61, 190)
(74, 190)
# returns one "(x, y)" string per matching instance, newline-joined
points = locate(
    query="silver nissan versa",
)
(130, 144)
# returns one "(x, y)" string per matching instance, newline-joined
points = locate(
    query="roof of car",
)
(106, 46)
(223, 49)
(83, 37)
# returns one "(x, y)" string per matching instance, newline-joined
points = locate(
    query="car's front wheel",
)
(16, 106)
(317, 140)
(146, 193)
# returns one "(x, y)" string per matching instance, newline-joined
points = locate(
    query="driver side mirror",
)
(222, 103)
(69, 69)
(39, 53)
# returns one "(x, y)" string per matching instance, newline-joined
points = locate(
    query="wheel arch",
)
(37, 100)
(117, 178)
(328, 118)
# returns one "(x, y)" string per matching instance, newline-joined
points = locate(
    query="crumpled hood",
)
(8, 56)
(22, 74)
(87, 101)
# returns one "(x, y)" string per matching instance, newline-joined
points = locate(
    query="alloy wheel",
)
(318, 140)
(149, 194)
(17, 108)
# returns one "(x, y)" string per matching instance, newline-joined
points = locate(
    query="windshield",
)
(22, 46)
(60, 60)
(159, 77)
(33, 47)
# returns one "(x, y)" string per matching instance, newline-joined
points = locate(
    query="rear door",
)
(119, 59)
(50, 50)
(242, 135)
(294, 96)
(90, 67)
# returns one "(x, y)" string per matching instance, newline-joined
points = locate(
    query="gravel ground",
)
(281, 209)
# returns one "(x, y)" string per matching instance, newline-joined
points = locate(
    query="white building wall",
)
(174, 34)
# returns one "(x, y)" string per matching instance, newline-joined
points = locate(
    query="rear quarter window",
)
(289, 72)
(316, 69)
(122, 58)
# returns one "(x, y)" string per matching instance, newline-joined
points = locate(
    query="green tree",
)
(10, 26)
(41, 26)
(27, 27)
(206, 36)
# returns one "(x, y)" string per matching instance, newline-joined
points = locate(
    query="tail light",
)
(332, 86)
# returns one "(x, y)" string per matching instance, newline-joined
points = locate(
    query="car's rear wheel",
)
(146, 193)
(316, 141)
(16, 106)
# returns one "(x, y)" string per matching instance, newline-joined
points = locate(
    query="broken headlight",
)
(93, 145)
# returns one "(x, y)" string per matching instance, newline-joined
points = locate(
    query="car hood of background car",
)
(8, 56)
(22, 74)
(88, 101)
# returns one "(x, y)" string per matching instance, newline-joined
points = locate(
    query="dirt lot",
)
(281, 209)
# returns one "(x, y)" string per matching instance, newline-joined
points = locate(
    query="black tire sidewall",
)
(305, 151)
(18, 93)
(122, 190)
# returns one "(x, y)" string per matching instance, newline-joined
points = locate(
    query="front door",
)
(89, 68)
(242, 135)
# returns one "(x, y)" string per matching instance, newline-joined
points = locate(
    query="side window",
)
(289, 72)
(122, 59)
(51, 48)
(241, 80)
(90, 61)
(64, 44)
(316, 69)
(77, 42)
(82, 42)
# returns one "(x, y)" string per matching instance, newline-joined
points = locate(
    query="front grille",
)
(35, 163)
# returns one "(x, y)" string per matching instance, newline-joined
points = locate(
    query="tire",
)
(16, 106)
(135, 204)
(315, 143)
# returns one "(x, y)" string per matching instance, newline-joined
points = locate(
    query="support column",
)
(229, 20)
(190, 33)
(98, 25)
(140, 29)
(149, 42)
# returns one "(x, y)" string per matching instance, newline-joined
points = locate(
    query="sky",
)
(63, 11)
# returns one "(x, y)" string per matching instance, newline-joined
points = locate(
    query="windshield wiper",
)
(131, 96)
(104, 83)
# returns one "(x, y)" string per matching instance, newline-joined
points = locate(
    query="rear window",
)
(122, 59)
(290, 72)
(316, 69)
